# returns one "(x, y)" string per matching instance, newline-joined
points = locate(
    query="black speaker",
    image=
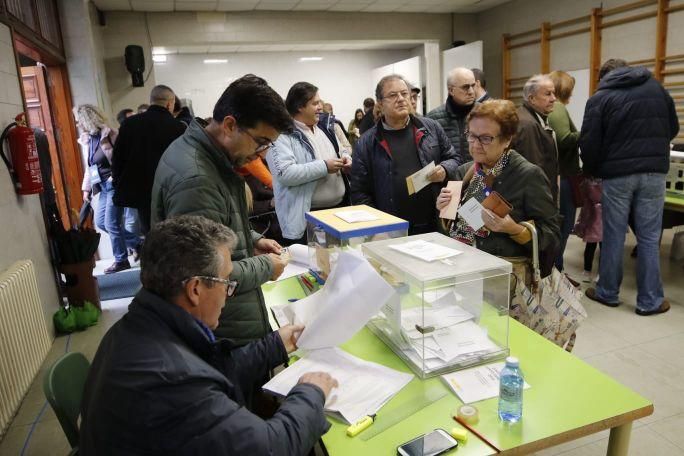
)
(135, 63)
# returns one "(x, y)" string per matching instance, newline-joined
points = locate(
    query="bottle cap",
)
(512, 361)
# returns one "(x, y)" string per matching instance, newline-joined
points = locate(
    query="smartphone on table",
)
(431, 444)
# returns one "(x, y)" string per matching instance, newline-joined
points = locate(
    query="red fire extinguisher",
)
(25, 165)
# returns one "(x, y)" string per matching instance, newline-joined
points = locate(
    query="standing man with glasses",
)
(397, 146)
(452, 114)
(196, 175)
(160, 383)
(535, 139)
(309, 168)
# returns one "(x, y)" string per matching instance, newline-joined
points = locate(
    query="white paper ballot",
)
(426, 251)
(356, 216)
(476, 384)
(363, 388)
(353, 293)
(471, 211)
(298, 262)
(419, 180)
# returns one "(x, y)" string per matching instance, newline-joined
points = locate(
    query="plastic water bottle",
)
(511, 384)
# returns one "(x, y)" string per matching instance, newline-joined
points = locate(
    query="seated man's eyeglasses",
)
(394, 96)
(485, 140)
(231, 285)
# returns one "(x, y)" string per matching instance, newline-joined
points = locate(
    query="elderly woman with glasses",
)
(498, 168)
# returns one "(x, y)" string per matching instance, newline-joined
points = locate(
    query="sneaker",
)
(664, 307)
(118, 266)
(586, 276)
(591, 294)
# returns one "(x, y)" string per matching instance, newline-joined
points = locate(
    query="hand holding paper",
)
(438, 174)
(448, 199)
(419, 180)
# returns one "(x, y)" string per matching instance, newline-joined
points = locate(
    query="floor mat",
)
(122, 284)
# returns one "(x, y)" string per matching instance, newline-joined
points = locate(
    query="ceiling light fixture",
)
(215, 61)
(159, 58)
(310, 59)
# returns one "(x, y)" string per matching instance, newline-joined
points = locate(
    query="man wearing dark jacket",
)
(142, 140)
(481, 94)
(535, 140)
(368, 121)
(196, 175)
(452, 114)
(396, 147)
(625, 140)
(161, 384)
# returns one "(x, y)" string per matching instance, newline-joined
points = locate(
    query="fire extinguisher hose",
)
(3, 136)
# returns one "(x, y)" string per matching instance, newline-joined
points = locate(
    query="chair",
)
(63, 387)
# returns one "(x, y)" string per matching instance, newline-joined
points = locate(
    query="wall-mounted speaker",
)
(135, 63)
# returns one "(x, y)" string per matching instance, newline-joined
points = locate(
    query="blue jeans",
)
(644, 195)
(568, 211)
(110, 219)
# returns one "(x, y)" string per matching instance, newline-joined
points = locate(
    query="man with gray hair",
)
(535, 140)
(142, 140)
(161, 384)
(396, 147)
(452, 114)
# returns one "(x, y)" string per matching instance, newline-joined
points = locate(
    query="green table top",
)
(674, 201)
(568, 398)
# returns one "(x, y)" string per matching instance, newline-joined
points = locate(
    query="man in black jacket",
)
(625, 140)
(161, 384)
(142, 140)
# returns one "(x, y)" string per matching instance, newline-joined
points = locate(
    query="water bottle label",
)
(510, 392)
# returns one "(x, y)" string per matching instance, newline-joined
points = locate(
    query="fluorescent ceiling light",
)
(310, 59)
(215, 60)
(160, 58)
(160, 50)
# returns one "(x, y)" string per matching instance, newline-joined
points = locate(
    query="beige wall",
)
(23, 232)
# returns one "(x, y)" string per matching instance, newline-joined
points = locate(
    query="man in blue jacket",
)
(396, 147)
(625, 140)
(161, 384)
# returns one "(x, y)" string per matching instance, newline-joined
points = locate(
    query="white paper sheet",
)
(477, 383)
(364, 387)
(419, 180)
(356, 216)
(298, 264)
(471, 211)
(353, 293)
(426, 251)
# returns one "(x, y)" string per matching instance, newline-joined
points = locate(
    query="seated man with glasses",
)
(160, 383)
(197, 175)
(396, 147)
(309, 165)
(452, 114)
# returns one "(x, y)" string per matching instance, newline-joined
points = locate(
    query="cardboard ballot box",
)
(330, 230)
(450, 307)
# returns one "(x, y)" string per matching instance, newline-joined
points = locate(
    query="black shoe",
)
(664, 307)
(117, 267)
(591, 294)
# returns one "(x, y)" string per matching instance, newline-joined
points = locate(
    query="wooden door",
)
(38, 116)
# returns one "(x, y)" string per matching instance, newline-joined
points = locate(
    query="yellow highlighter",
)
(360, 426)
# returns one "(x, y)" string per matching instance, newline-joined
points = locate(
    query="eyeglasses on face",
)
(394, 96)
(231, 285)
(262, 143)
(465, 87)
(485, 140)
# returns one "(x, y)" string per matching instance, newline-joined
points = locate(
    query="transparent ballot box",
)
(330, 230)
(450, 307)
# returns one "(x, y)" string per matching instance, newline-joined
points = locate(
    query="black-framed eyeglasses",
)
(394, 96)
(231, 285)
(261, 145)
(485, 140)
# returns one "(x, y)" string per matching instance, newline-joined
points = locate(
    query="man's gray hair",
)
(381, 84)
(161, 95)
(180, 248)
(532, 85)
(455, 73)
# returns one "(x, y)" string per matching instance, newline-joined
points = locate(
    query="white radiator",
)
(24, 338)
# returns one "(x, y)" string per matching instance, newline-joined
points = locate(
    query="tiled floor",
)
(644, 353)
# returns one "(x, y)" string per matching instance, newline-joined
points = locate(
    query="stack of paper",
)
(477, 383)
(364, 387)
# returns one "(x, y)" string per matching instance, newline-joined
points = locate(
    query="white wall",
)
(410, 69)
(343, 78)
(23, 232)
(468, 56)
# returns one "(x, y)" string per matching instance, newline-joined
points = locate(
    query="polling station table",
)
(568, 399)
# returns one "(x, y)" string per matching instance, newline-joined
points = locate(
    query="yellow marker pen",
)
(361, 425)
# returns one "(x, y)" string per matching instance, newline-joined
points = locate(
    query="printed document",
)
(364, 387)
(356, 216)
(426, 251)
(419, 180)
(476, 384)
(471, 211)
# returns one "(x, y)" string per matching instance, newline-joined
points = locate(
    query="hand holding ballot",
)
(289, 335)
(438, 174)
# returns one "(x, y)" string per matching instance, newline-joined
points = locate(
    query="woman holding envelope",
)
(508, 188)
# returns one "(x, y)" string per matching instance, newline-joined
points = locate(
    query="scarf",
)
(479, 188)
